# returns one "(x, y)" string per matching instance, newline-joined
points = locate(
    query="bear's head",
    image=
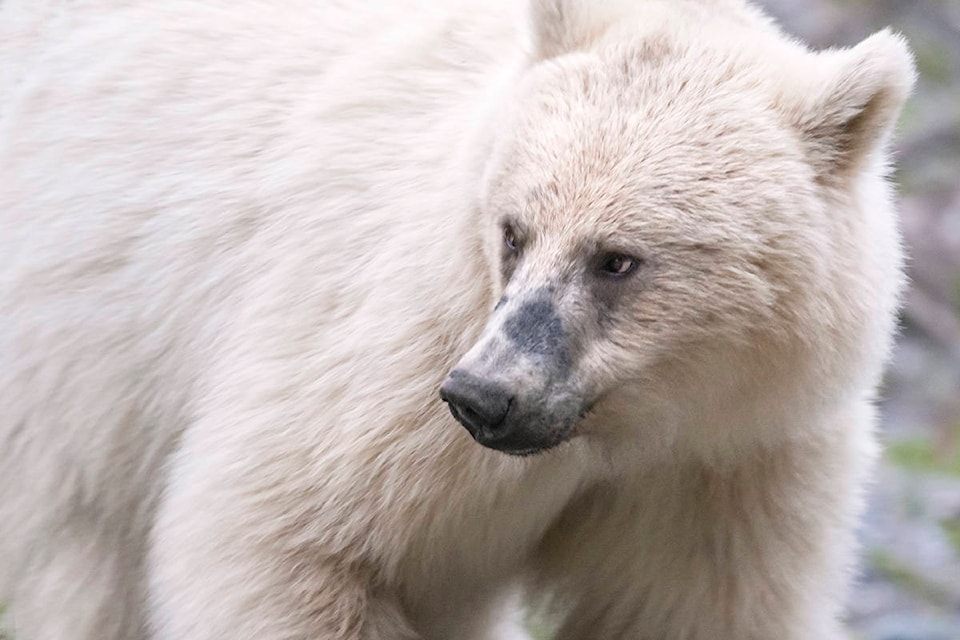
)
(688, 229)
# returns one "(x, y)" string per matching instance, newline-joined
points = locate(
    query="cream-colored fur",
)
(242, 243)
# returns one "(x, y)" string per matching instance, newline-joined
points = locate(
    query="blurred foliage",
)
(951, 528)
(539, 627)
(907, 578)
(923, 455)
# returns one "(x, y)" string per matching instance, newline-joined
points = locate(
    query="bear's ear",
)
(563, 26)
(847, 112)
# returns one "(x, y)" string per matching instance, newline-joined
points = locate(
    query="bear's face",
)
(655, 232)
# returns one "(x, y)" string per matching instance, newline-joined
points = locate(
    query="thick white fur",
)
(242, 242)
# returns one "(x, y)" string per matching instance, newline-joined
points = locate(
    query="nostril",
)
(477, 403)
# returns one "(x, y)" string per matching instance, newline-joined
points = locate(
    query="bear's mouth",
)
(524, 438)
(527, 452)
(521, 440)
(565, 434)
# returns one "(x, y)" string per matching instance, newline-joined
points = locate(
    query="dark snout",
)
(515, 390)
(483, 407)
(500, 418)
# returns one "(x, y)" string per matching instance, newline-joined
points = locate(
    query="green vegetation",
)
(537, 630)
(956, 292)
(922, 455)
(908, 579)
(538, 624)
(951, 528)
(933, 61)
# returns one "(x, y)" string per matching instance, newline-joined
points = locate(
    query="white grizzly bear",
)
(258, 259)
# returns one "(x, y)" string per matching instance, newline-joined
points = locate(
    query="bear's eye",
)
(510, 240)
(618, 265)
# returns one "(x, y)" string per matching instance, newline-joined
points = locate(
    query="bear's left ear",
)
(564, 26)
(848, 111)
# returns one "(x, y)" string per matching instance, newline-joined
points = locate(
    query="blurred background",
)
(910, 583)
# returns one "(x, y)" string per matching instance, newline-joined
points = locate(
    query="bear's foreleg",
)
(231, 559)
(755, 552)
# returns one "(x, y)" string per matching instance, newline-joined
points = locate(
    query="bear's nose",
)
(478, 404)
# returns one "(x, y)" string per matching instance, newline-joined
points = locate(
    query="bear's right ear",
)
(563, 26)
(846, 111)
